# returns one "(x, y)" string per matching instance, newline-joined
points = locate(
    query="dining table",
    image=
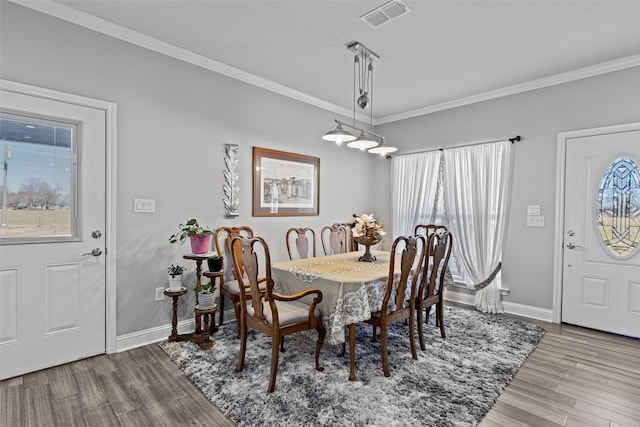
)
(351, 290)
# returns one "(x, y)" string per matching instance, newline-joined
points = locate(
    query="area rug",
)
(454, 382)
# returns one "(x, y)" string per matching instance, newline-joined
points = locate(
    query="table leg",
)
(352, 352)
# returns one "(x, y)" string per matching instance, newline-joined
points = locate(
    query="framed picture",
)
(285, 184)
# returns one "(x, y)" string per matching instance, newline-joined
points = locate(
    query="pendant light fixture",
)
(363, 97)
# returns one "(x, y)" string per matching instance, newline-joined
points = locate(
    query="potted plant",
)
(199, 236)
(175, 276)
(206, 295)
(215, 263)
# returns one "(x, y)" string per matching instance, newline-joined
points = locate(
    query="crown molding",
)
(111, 29)
(569, 76)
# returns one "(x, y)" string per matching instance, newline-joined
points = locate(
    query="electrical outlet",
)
(159, 294)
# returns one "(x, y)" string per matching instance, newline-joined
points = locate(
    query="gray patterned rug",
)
(453, 383)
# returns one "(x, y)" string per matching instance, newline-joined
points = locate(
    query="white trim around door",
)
(560, 204)
(110, 191)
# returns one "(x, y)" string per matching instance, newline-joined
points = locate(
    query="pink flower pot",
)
(200, 244)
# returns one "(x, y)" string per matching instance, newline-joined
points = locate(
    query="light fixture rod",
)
(358, 129)
(356, 47)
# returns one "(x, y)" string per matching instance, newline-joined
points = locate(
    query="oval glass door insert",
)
(618, 208)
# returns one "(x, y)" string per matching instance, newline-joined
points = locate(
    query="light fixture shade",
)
(338, 135)
(383, 149)
(363, 142)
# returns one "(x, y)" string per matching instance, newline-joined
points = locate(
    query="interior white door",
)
(601, 263)
(52, 290)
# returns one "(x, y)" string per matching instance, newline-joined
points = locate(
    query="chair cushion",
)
(233, 287)
(289, 312)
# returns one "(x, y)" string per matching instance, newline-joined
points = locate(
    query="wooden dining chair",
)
(429, 229)
(304, 237)
(431, 287)
(335, 239)
(397, 306)
(223, 237)
(352, 245)
(270, 313)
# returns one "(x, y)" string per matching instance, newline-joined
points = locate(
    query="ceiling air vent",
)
(385, 13)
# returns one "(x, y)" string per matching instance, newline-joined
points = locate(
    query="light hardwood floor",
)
(575, 377)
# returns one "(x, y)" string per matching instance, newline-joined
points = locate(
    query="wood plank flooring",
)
(575, 377)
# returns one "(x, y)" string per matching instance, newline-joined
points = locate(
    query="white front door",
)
(601, 250)
(52, 243)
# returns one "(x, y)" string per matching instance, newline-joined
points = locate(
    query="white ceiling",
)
(441, 54)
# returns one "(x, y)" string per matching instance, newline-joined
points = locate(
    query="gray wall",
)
(173, 121)
(538, 116)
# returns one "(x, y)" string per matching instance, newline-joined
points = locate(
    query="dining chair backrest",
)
(246, 265)
(335, 239)
(223, 237)
(439, 251)
(352, 245)
(303, 238)
(429, 229)
(407, 248)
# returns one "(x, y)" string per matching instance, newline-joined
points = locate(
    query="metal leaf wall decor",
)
(231, 185)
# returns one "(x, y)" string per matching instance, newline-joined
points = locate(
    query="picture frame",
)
(285, 184)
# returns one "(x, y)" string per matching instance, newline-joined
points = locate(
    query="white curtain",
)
(477, 184)
(414, 184)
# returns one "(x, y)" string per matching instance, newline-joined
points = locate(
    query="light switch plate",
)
(144, 205)
(533, 210)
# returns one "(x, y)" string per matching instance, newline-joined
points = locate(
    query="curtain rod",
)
(512, 140)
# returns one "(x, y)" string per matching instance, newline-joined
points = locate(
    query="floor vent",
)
(387, 12)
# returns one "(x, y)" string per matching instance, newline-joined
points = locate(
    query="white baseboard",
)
(160, 333)
(509, 307)
(528, 311)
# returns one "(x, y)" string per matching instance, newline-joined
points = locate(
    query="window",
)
(618, 208)
(39, 179)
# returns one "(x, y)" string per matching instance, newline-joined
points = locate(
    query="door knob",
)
(572, 246)
(94, 252)
(96, 234)
(571, 233)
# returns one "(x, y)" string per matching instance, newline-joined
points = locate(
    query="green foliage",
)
(206, 288)
(191, 228)
(175, 270)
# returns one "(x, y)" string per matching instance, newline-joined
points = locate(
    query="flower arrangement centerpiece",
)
(367, 231)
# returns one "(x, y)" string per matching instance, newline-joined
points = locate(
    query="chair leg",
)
(221, 310)
(321, 334)
(243, 345)
(343, 352)
(373, 337)
(412, 333)
(282, 344)
(440, 316)
(236, 308)
(275, 346)
(421, 328)
(383, 350)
